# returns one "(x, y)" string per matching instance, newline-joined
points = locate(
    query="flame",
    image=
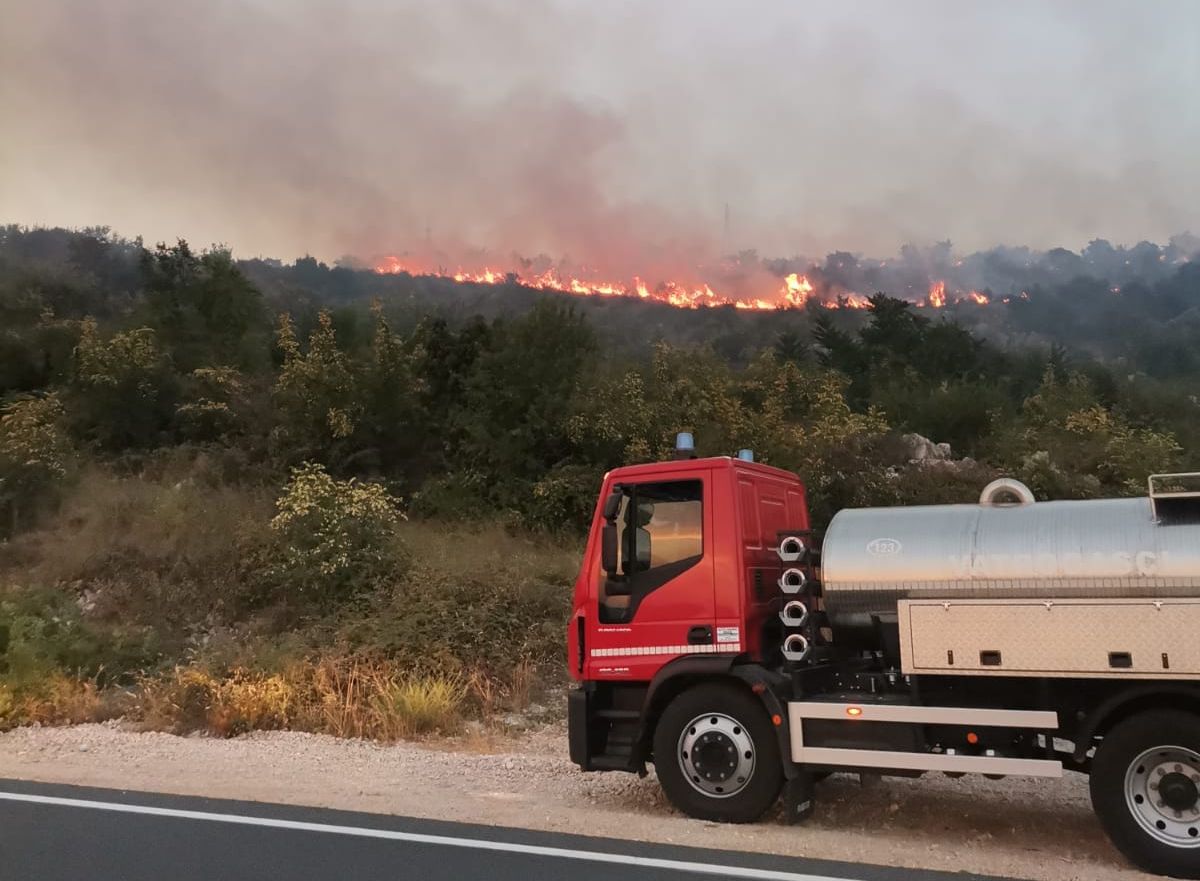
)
(795, 290)
(848, 301)
(978, 297)
(390, 265)
(937, 294)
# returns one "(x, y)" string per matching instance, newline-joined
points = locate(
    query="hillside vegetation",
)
(233, 498)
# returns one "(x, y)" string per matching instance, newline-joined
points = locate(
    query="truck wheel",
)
(717, 754)
(1145, 789)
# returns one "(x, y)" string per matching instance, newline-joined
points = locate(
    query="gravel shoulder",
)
(1017, 828)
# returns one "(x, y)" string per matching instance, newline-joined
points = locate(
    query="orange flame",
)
(794, 291)
(390, 265)
(937, 294)
(848, 301)
(978, 297)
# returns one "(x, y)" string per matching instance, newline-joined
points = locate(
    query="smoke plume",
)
(632, 137)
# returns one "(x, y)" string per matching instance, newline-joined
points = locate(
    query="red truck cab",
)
(686, 593)
(696, 558)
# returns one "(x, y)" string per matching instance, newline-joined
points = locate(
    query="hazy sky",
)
(614, 132)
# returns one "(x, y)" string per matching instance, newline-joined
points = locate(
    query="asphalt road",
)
(68, 833)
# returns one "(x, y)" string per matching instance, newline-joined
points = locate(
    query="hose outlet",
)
(796, 647)
(792, 580)
(791, 549)
(794, 614)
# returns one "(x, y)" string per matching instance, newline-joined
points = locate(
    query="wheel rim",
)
(716, 755)
(1162, 790)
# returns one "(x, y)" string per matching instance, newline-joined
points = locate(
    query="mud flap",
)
(799, 797)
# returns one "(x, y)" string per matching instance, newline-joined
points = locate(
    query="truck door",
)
(660, 603)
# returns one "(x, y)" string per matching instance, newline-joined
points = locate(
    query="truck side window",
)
(660, 535)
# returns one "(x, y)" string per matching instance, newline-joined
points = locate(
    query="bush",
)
(55, 665)
(340, 696)
(563, 501)
(34, 455)
(227, 703)
(456, 497)
(57, 699)
(44, 632)
(178, 701)
(415, 705)
(336, 537)
(122, 393)
(439, 622)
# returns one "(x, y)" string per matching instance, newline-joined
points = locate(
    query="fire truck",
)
(718, 636)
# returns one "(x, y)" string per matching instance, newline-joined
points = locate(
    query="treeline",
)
(110, 351)
(235, 495)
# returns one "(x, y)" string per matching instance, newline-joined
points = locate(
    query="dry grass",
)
(342, 697)
(520, 684)
(163, 525)
(475, 550)
(57, 699)
(486, 692)
(160, 569)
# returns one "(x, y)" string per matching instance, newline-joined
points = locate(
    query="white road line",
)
(417, 838)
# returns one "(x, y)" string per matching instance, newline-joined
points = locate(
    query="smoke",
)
(625, 136)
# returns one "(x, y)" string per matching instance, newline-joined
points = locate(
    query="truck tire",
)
(1145, 786)
(717, 754)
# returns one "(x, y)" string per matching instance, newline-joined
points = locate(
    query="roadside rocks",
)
(921, 449)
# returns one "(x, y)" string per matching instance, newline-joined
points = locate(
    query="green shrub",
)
(122, 393)
(44, 631)
(335, 537)
(563, 501)
(34, 456)
(415, 705)
(441, 622)
(455, 497)
(55, 665)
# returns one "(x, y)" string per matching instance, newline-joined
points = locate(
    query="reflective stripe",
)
(666, 650)
(870, 712)
(911, 761)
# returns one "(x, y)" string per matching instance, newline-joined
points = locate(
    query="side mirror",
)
(608, 547)
(612, 505)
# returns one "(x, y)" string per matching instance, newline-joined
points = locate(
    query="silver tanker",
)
(1010, 547)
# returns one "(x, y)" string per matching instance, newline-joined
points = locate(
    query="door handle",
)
(700, 636)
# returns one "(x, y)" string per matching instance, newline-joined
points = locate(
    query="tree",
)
(1065, 444)
(519, 394)
(215, 405)
(205, 310)
(840, 351)
(390, 417)
(791, 346)
(316, 398)
(123, 389)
